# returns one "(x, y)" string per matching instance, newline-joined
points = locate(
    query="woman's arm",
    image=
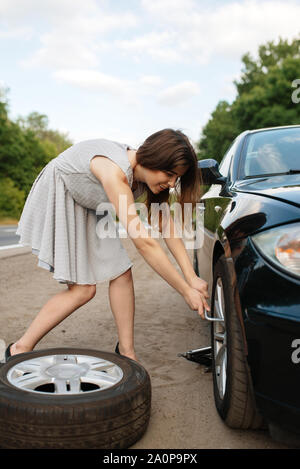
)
(178, 250)
(116, 187)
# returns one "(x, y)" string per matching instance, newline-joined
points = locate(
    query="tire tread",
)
(114, 420)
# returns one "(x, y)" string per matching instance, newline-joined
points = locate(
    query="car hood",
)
(283, 187)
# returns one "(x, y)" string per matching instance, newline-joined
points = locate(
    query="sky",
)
(122, 70)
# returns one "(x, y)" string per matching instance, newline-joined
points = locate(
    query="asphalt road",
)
(183, 413)
(8, 235)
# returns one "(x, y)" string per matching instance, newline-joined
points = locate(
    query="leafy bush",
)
(26, 146)
(11, 199)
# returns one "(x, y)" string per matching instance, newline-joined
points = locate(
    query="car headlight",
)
(282, 246)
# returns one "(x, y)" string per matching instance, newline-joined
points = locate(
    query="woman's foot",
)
(126, 353)
(16, 348)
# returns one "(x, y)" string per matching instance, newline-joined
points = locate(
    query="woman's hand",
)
(196, 301)
(200, 285)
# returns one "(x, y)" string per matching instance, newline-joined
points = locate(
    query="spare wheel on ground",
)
(73, 398)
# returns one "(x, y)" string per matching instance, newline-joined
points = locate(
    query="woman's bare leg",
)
(52, 313)
(122, 303)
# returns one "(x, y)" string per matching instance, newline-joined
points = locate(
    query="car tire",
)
(232, 383)
(38, 410)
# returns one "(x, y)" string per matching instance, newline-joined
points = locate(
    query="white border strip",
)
(12, 246)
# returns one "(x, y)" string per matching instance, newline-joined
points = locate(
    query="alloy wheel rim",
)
(219, 339)
(64, 374)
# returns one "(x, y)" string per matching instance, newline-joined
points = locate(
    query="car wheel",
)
(73, 398)
(231, 376)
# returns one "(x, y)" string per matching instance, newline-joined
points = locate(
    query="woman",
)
(59, 221)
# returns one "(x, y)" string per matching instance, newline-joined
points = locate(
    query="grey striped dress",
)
(59, 219)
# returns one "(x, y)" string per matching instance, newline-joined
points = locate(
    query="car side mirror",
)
(210, 172)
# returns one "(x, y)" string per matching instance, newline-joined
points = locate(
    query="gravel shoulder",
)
(183, 412)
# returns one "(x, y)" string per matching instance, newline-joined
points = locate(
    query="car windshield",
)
(272, 152)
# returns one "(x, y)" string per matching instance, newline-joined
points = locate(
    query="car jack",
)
(199, 355)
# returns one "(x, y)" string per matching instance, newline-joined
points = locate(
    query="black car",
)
(250, 257)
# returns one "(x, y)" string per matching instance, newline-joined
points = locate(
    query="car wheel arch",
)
(219, 252)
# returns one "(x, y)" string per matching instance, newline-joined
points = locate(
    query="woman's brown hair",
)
(163, 151)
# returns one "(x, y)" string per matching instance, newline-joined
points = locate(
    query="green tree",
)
(11, 199)
(218, 133)
(264, 98)
(21, 154)
(270, 55)
(24, 150)
(53, 141)
(265, 87)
